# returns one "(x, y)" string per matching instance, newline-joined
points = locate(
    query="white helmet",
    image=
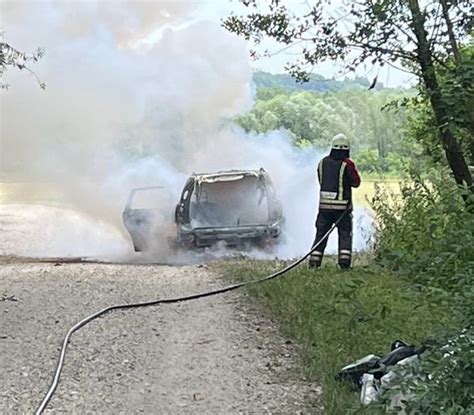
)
(340, 142)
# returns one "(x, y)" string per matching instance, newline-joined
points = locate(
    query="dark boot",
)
(344, 259)
(345, 241)
(345, 265)
(315, 259)
(314, 264)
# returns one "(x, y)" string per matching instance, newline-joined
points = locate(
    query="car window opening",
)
(241, 202)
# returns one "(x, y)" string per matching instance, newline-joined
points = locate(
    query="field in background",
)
(364, 194)
(27, 192)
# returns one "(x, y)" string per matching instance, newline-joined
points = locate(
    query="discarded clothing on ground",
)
(374, 374)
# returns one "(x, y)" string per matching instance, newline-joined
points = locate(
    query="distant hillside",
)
(317, 83)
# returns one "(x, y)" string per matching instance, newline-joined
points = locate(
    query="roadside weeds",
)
(337, 316)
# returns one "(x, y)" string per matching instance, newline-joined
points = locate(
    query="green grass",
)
(339, 316)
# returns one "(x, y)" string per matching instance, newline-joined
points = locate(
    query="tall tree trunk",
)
(452, 149)
(449, 27)
(457, 58)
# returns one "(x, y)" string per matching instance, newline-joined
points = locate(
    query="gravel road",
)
(219, 355)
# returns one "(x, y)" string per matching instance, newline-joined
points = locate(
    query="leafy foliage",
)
(426, 236)
(313, 119)
(378, 32)
(442, 382)
(416, 34)
(457, 84)
(316, 83)
(11, 57)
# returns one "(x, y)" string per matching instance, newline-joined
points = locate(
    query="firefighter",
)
(337, 176)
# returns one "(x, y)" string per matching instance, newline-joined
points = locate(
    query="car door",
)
(146, 211)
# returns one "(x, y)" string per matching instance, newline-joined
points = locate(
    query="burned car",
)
(235, 208)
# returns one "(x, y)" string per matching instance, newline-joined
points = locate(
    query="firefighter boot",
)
(315, 259)
(344, 259)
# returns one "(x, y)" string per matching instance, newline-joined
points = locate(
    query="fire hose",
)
(190, 297)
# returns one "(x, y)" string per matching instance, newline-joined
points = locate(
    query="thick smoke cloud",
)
(138, 94)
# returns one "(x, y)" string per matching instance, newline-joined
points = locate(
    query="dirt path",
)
(217, 355)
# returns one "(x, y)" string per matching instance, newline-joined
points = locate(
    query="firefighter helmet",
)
(340, 142)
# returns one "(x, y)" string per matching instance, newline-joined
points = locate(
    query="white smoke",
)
(116, 115)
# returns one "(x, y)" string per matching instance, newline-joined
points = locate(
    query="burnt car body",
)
(235, 208)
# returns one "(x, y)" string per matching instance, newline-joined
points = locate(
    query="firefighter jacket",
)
(336, 178)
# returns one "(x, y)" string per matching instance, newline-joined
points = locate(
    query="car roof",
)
(226, 175)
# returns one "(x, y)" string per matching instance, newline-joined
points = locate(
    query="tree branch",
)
(400, 55)
(449, 26)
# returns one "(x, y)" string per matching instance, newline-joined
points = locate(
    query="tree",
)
(11, 57)
(456, 82)
(314, 118)
(379, 32)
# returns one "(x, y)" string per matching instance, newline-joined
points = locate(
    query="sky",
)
(175, 14)
(220, 9)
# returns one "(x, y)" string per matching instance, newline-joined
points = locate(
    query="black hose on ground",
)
(190, 297)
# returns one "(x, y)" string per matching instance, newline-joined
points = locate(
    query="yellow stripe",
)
(320, 169)
(332, 207)
(341, 180)
(333, 202)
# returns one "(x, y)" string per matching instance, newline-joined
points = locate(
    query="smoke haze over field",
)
(121, 111)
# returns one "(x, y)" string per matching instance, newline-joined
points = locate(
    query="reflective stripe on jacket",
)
(336, 178)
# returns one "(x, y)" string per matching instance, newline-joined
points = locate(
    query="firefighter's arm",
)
(352, 173)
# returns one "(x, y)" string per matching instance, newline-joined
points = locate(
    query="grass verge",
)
(339, 316)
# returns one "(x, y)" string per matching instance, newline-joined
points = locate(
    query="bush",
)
(393, 164)
(444, 382)
(426, 236)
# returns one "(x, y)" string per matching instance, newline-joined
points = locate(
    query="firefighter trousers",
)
(324, 221)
